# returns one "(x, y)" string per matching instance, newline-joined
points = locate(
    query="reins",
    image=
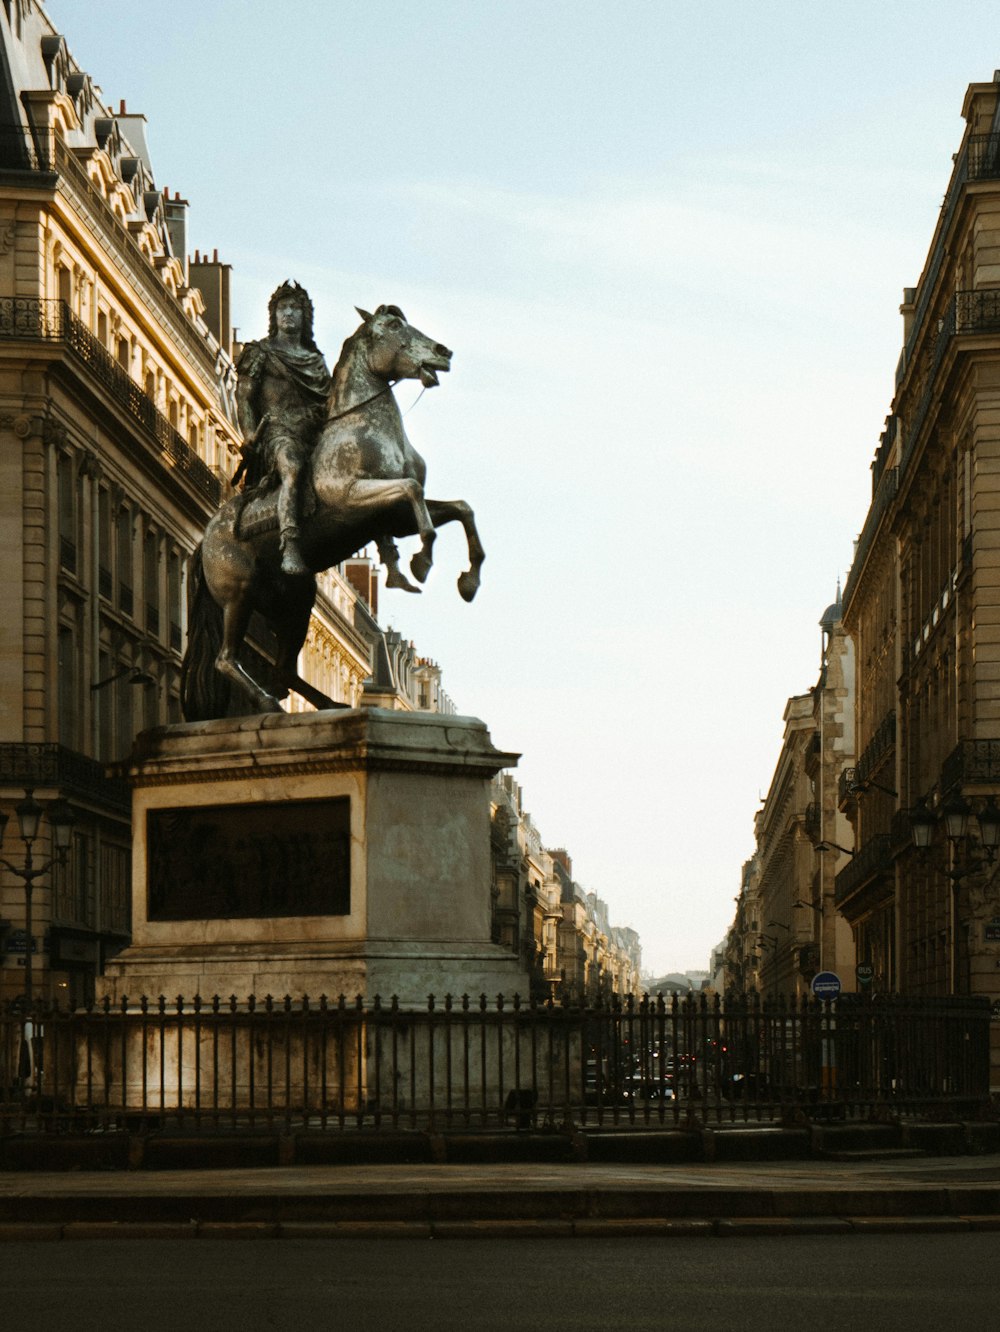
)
(358, 405)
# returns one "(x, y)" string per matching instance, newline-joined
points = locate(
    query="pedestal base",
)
(322, 853)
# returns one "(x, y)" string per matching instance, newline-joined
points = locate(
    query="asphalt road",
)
(893, 1283)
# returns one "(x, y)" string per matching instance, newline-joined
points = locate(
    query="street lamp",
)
(956, 815)
(29, 816)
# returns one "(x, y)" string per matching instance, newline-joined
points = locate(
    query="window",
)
(125, 726)
(151, 583)
(69, 680)
(115, 889)
(104, 543)
(104, 702)
(174, 599)
(124, 541)
(150, 707)
(71, 890)
(66, 482)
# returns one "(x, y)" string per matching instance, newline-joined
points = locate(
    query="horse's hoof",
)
(468, 586)
(396, 578)
(420, 566)
(293, 566)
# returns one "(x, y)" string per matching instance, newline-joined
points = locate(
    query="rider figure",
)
(281, 395)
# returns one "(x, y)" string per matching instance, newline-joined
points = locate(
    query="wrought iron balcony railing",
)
(884, 496)
(978, 160)
(871, 861)
(48, 765)
(878, 748)
(968, 313)
(24, 317)
(972, 763)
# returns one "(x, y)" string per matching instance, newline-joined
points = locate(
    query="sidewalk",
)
(451, 1201)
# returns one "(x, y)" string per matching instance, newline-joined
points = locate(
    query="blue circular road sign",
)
(826, 985)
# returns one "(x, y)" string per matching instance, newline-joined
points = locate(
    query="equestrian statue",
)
(327, 469)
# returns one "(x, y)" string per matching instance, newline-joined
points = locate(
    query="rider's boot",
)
(291, 554)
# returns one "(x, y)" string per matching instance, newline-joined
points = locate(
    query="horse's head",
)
(397, 350)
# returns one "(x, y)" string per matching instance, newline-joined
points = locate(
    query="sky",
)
(667, 243)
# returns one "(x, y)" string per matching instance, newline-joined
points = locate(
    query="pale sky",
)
(667, 243)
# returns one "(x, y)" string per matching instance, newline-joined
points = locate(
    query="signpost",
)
(865, 974)
(826, 986)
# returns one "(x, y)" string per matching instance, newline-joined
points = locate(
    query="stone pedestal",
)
(338, 852)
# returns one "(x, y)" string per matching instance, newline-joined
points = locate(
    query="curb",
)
(627, 1145)
(621, 1228)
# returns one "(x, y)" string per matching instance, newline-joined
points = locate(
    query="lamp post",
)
(29, 817)
(955, 815)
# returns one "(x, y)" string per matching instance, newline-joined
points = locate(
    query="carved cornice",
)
(305, 768)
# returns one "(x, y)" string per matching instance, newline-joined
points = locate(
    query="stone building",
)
(786, 927)
(117, 436)
(563, 933)
(922, 604)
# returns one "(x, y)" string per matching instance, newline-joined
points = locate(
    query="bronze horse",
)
(365, 483)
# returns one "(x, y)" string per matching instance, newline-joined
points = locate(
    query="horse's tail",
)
(204, 690)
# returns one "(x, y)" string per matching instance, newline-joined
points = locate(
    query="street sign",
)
(826, 985)
(17, 942)
(865, 973)
(991, 931)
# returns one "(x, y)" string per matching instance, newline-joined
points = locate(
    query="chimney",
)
(361, 575)
(211, 277)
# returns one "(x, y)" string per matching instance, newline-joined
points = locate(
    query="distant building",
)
(786, 926)
(563, 933)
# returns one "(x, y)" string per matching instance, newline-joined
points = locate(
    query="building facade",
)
(117, 439)
(922, 604)
(787, 927)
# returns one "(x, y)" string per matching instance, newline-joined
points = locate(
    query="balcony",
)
(978, 160)
(972, 763)
(877, 750)
(46, 157)
(25, 318)
(884, 496)
(51, 765)
(847, 786)
(871, 862)
(811, 820)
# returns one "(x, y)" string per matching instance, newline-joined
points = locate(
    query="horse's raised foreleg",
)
(368, 497)
(235, 619)
(457, 511)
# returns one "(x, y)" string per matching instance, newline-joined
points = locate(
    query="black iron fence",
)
(468, 1064)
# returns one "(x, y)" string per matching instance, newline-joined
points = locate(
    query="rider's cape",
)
(307, 371)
